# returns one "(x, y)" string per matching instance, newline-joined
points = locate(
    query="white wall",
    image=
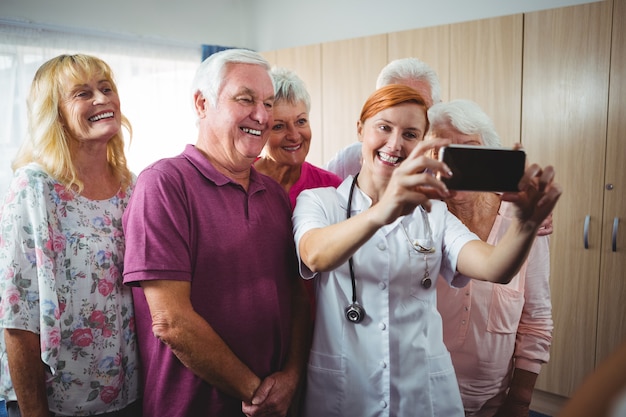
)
(262, 25)
(329, 20)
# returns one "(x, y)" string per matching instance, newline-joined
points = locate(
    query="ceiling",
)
(261, 25)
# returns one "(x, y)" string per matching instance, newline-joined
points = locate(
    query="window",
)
(153, 79)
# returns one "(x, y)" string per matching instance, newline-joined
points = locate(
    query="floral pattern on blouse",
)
(61, 263)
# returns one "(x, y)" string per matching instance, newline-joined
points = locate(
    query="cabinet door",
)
(564, 123)
(431, 45)
(486, 67)
(612, 308)
(349, 71)
(306, 61)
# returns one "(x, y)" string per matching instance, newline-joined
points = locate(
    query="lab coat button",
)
(382, 285)
(383, 364)
(383, 404)
(382, 326)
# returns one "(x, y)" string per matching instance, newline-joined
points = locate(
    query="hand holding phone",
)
(480, 168)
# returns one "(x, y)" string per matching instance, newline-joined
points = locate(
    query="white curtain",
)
(153, 79)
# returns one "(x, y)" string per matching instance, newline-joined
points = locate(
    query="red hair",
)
(389, 96)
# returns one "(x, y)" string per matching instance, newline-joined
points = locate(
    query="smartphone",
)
(480, 168)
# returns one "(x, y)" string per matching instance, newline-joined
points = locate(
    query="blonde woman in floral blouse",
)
(68, 343)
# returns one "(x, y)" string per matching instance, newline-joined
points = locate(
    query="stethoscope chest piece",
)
(355, 313)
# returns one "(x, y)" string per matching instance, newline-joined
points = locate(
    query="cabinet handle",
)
(586, 231)
(615, 223)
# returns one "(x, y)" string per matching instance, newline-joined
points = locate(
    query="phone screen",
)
(479, 168)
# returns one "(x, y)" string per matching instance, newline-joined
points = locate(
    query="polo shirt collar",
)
(207, 170)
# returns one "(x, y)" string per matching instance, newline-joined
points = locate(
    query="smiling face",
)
(290, 136)
(90, 109)
(234, 132)
(389, 136)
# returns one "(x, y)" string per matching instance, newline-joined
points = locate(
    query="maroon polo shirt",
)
(188, 222)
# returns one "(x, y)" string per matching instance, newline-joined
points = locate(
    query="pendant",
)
(422, 249)
(426, 281)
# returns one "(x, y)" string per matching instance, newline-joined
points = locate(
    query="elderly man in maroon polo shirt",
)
(221, 315)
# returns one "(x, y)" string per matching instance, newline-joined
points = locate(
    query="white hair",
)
(210, 74)
(290, 88)
(410, 69)
(467, 117)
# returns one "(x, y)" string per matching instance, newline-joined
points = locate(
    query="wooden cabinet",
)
(431, 45)
(486, 67)
(565, 102)
(349, 71)
(612, 306)
(306, 61)
(479, 60)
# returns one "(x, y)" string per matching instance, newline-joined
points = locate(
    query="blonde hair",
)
(47, 142)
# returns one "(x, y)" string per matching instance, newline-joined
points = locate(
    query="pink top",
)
(490, 329)
(312, 177)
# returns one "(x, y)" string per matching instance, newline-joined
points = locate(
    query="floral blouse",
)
(61, 262)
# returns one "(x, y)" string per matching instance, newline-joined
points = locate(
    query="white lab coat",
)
(393, 363)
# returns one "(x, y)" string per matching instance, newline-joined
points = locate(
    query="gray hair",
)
(467, 117)
(211, 72)
(410, 69)
(290, 88)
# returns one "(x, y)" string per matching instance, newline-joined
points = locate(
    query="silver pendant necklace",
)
(417, 247)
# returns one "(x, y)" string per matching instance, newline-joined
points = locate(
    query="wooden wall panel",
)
(270, 56)
(306, 61)
(431, 45)
(349, 71)
(612, 308)
(564, 117)
(486, 67)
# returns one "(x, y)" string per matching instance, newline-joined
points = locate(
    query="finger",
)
(510, 197)
(551, 196)
(427, 147)
(426, 184)
(248, 409)
(263, 391)
(547, 176)
(529, 177)
(424, 165)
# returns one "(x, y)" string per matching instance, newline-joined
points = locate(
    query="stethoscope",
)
(355, 313)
